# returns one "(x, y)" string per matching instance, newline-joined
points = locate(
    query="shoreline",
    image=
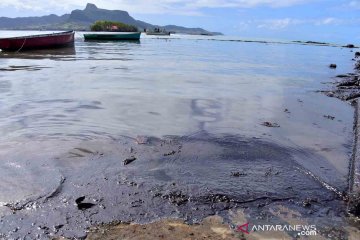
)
(354, 169)
(247, 178)
(223, 231)
(347, 89)
(155, 229)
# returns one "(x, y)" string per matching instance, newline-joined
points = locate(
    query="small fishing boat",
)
(42, 41)
(113, 36)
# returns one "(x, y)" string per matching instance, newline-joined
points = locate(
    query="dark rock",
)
(129, 160)
(306, 203)
(170, 153)
(357, 66)
(333, 66)
(269, 124)
(80, 199)
(58, 227)
(84, 206)
(355, 206)
(81, 205)
(238, 174)
(354, 81)
(357, 54)
(329, 117)
(351, 96)
(350, 46)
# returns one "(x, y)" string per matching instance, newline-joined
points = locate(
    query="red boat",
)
(54, 40)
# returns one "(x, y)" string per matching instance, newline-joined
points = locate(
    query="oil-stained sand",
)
(188, 178)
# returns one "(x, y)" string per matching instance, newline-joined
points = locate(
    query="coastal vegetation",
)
(105, 26)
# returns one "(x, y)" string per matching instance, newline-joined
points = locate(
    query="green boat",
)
(113, 36)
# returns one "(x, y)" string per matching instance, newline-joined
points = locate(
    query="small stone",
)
(306, 203)
(333, 66)
(329, 117)
(170, 153)
(238, 174)
(269, 124)
(129, 160)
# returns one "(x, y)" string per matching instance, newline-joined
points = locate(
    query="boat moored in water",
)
(113, 36)
(42, 41)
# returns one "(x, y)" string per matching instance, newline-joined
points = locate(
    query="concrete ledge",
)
(354, 169)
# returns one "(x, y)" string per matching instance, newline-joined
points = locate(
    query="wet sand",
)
(143, 179)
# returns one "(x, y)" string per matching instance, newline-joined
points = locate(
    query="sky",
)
(334, 21)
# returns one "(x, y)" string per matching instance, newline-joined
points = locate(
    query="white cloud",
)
(276, 24)
(284, 23)
(328, 21)
(149, 6)
(354, 4)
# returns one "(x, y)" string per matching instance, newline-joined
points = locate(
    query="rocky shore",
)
(347, 88)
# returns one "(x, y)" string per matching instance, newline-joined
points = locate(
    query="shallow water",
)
(51, 101)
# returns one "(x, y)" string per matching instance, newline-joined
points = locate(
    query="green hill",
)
(83, 19)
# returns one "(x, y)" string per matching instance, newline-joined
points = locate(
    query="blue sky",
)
(318, 20)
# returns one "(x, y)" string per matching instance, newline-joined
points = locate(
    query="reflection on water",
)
(54, 54)
(179, 86)
(205, 111)
(112, 41)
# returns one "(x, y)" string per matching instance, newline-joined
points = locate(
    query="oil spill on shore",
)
(192, 183)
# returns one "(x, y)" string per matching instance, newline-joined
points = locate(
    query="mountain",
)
(82, 20)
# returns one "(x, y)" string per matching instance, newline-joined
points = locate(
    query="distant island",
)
(82, 20)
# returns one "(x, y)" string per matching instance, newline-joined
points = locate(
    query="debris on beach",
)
(81, 205)
(129, 160)
(329, 117)
(308, 202)
(333, 65)
(287, 110)
(238, 174)
(169, 153)
(177, 198)
(269, 124)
